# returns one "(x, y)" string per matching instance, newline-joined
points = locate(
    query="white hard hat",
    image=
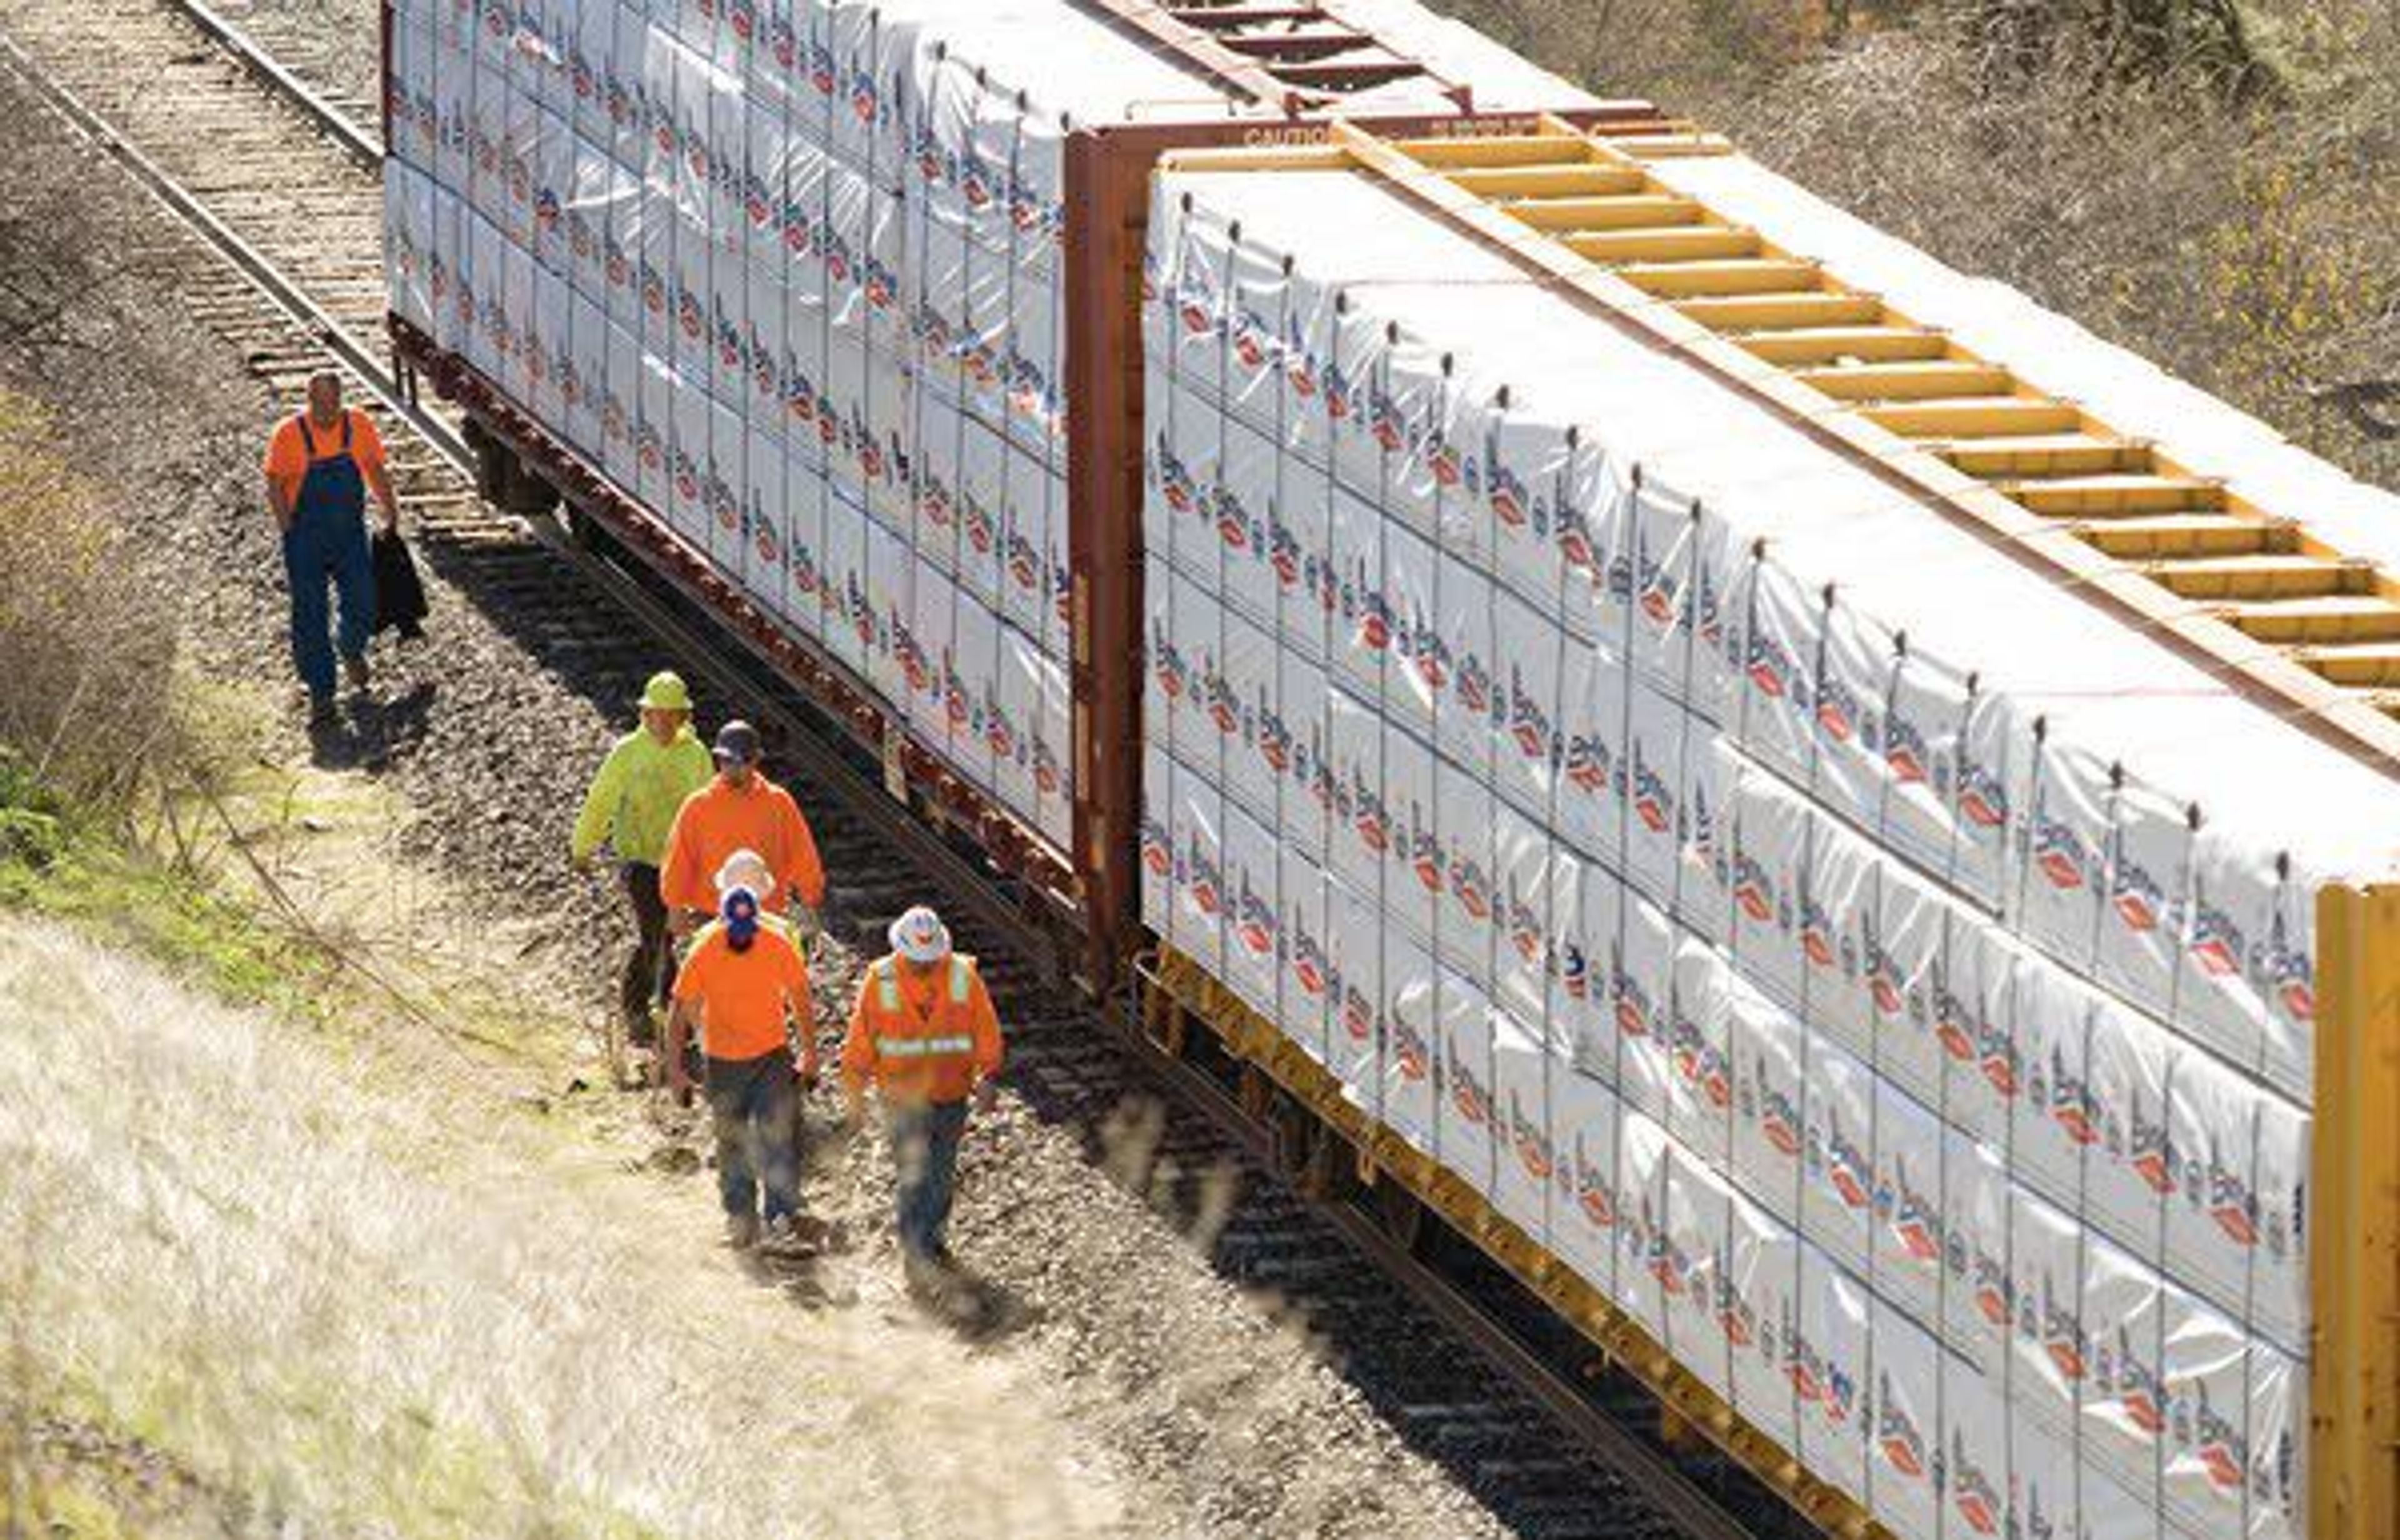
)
(746, 869)
(920, 936)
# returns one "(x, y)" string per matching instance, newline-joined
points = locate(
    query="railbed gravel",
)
(1198, 1384)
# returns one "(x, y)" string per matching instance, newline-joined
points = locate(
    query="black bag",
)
(399, 597)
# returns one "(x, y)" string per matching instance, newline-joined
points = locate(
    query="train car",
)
(1860, 872)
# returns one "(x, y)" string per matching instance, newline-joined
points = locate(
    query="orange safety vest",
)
(921, 1057)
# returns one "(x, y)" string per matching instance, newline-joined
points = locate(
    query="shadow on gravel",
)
(373, 731)
(982, 1312)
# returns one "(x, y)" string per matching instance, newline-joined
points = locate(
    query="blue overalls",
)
(328, 538)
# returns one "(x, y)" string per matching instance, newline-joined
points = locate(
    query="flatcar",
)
(1837, 825)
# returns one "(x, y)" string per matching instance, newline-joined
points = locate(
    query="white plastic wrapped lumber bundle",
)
(1918, 981)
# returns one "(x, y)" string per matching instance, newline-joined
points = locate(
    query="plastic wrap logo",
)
(1736, 1316)
(1817, 941)
(1193, 301)
(806, 579)
(1253, 340)
(1000, 736)
(1474, 683)
(1524, 926)
(1904, 751)
(1409, 1050)
(1699, 1061)
(1167, 661)
(1837, 708)
(1844, 1166)
(865, 97)
(1283, 553)
(1631, 1001)
(1669, 1262)
(1972, 1491)
(1653, 802)
(1299, 363)
(1530, 1139)
(764, 540)
(975, 182)
(744, 19)
(1574, 540)
(1595, 1198)
(1224, 711)
(2058, 853)
(1424, 850)
(1308, 965)
(1574, 970)
(2062, 1333)
(1024, 566)
(1047, 778)
(1767, 666)
(1385, 421)
(1471, 886)
(1254, 921)
(1779, 1115)
(1529, 726)
(1506, 494)
(1916, 1217)
(1896, 1432)
(1982, 802)
(1881, 969)
(1340, 393)
(2224, 1453)
(1806, 1368)
(1274, 737)
(2291, 971)
(1201, 878)
(1657, 591)
(1357, 1013)
(1468, 1092)
(782, 42)
(689, 314)
(2216, 942)
(1442, 458)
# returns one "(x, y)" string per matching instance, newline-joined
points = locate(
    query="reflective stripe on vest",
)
(887, 983)
(922, 1047)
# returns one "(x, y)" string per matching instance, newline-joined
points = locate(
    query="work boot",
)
(740, 1231)
(321, 710)
(781, 1238)
(354, 674)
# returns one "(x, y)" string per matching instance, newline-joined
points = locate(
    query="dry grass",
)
(375, 1309)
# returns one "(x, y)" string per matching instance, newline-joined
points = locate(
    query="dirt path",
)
(371, 1305)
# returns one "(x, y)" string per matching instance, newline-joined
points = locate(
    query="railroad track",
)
(280, 180)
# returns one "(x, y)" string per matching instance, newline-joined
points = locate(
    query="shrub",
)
(86, 651)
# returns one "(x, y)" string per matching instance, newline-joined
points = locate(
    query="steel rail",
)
(1650, 1474)
(361, 146)
(1653, 1473)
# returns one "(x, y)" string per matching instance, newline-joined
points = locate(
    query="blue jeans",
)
(328, 543)
(925, 1155)
(754, 1103)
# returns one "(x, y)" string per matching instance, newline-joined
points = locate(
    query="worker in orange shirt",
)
(747, 986)
(739, 809)
(924, 1033)
(320, 465)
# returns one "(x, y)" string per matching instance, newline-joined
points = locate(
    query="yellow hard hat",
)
(665, 692)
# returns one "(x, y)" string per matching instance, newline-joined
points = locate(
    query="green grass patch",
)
(71, 865)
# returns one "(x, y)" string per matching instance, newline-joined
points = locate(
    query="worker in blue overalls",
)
(320, 465)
